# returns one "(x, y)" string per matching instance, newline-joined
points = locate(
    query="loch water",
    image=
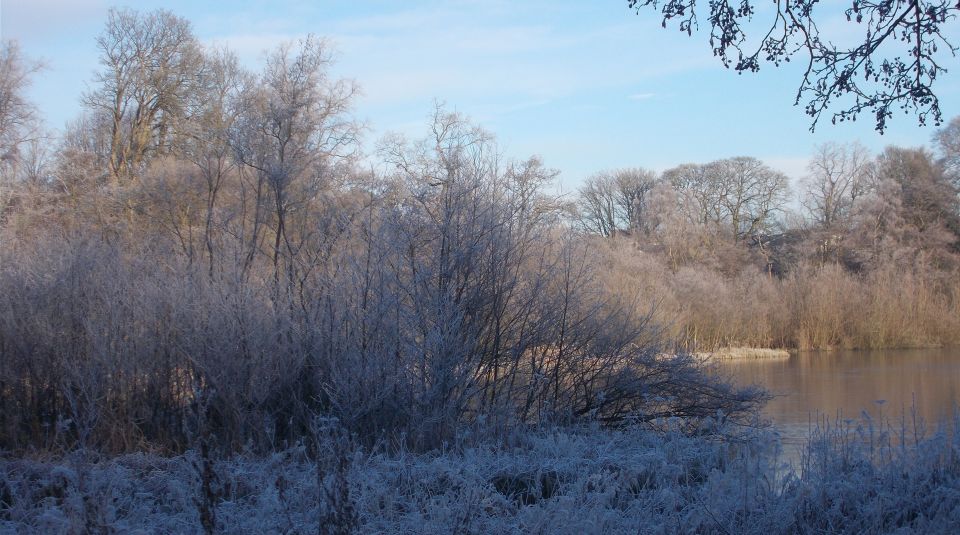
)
(901, 388)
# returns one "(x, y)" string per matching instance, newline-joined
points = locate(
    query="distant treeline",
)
(871, 262)
(810, 307)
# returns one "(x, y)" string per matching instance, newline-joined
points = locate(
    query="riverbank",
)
(744, 353)
(809, 308)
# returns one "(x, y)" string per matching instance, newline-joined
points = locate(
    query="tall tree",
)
(151, 63)
(913, 215)
(18, 117)
(838, 176)
(213, 111)
(293, 130)
(737, 195)
(19, 125)
(617, 201)
(750, 194)
(929, 200)
(697, 190)
(947, 143)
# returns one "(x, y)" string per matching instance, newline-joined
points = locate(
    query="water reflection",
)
(843, 384)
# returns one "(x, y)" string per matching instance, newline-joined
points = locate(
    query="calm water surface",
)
(812, 385)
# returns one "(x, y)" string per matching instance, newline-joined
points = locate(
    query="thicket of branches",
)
(887, 56)
(203, 264)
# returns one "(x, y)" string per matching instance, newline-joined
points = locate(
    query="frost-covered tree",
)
(739, 196)
(947, 144)
(912, 216)
(151, 63)
(838, 176)
(293, 129)
(617, 201)
(19, 125)
(18, 116)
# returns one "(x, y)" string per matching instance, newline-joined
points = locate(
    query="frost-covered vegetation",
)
(873, 261)
(219, 314)
(852, 479)
(209, 264)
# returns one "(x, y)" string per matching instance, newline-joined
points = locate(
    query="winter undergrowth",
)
(854, 477)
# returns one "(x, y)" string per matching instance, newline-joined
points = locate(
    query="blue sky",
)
(586, 85)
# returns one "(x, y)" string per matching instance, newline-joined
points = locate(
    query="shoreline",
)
(743, 353)
(747, 352)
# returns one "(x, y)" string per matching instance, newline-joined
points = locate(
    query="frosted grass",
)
(854, 477)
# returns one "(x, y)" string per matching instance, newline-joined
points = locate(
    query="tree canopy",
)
(894, 60)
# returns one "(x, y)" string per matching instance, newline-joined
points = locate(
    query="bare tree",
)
(18, 120)
(151, 62)
(738, 196)
(912, 217)
(213, 109)
(82, 165)
(617, 201)
(947, 143)
(598, 208)
(928, 198)
(293, 131)
(750, 194)
(19, 125)
(838, 176)
(698, 192)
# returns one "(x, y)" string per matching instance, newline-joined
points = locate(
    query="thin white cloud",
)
(466, 51)
(28, 20)
(642, 96)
